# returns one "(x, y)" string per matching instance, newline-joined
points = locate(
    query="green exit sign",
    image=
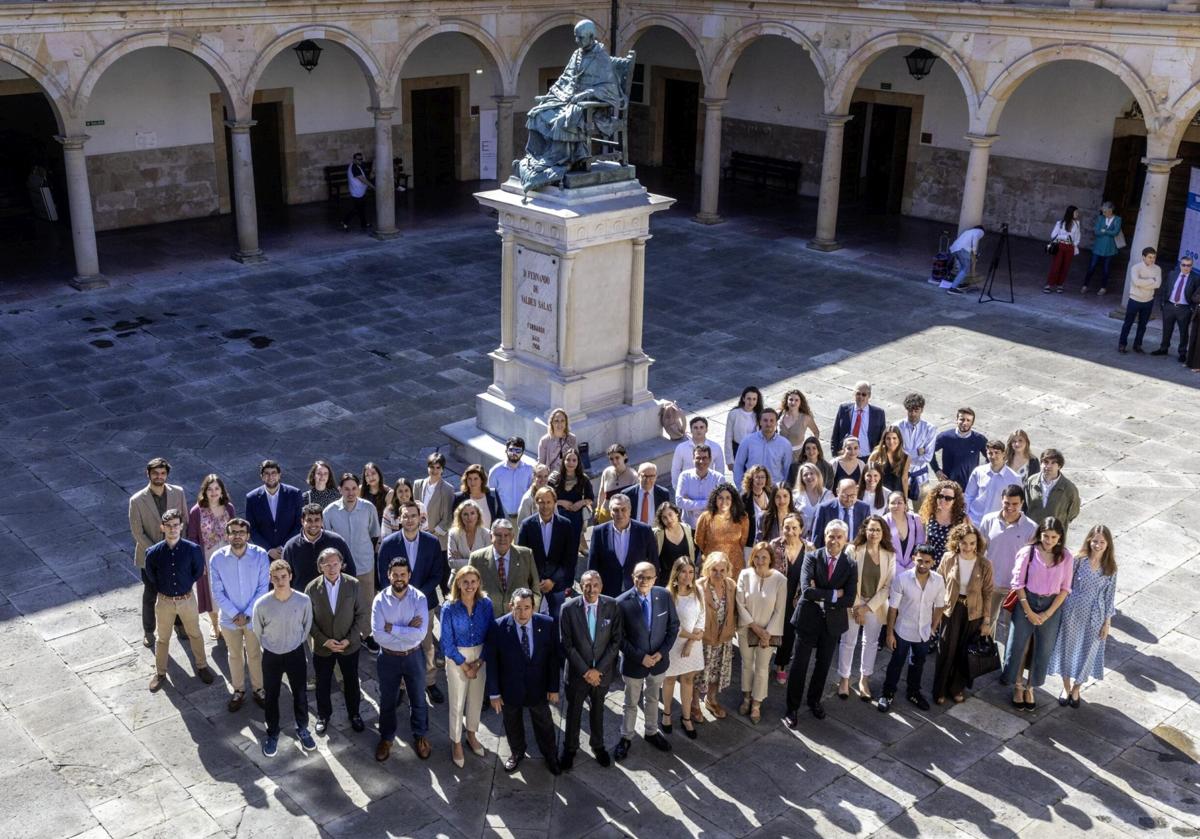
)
(92, 122)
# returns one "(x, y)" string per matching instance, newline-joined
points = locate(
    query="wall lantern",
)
(309, 54)
(920, 62)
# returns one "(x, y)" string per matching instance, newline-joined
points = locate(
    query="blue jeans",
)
(392, 669)
(1105, 262)
(912, 651)
(1140, 312)
(962, 261)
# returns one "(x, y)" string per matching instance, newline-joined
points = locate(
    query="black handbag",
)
(983, 656)
(1052, 248)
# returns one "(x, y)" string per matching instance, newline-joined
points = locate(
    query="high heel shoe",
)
(664, 724)
(1064, 699)
(1030, 702)
(1018, 691)
(688, 730)
(755, 712)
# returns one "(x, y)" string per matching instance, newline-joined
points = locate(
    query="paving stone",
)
(35, 790)
(944, 748)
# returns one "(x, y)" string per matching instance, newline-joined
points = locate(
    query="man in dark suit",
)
(649, 628)
(504, 567)
(828, 583)
(646, 495)
(1178, 298)
(858, 419)
(845, 508)
(591, 631)
(555, 551)
(339, 621)
(430, 572)
(273, 511)
(618, 545)
(303, 550)
(522, 672)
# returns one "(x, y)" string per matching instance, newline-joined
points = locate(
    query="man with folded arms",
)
(173, 567)
(240, 574)
(399, 621)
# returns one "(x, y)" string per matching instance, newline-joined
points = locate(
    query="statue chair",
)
(614, 146)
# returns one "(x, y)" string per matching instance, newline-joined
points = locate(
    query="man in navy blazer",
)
(271, 530)
(845, 508)
(1178, 298)
(523, 672)
(646, 495)
(551, 539)
(430, 572)
(650, 626)
(870, 421)
(618, 545)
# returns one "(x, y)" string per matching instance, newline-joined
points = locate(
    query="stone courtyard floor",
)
(364, 350)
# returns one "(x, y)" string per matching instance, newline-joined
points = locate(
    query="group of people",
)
(531, 583)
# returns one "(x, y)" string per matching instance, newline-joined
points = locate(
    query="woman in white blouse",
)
(467, 534)
(1064, 244)
(742, 421)
(761, 600)
(876, 561)
(810, 494)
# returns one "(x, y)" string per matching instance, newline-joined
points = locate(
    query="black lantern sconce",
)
(309, 54)
(920, 62)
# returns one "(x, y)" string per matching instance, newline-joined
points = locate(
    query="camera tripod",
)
(1002, 250)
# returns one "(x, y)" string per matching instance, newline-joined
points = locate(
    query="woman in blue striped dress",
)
(1078, 653)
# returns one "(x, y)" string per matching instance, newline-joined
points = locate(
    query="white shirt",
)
(914, 605)
(682, 459)
(692, 491)
(968, 240)
(985, 490)
(358, 186)
(637, 506)
(547, 529)
(1047, 485)
(738, 424)
(430, 488)
(864, 440)
(621, 543)
(918, 445)
(966, 567)
(332, 589)
(410, 548)
(273, 502)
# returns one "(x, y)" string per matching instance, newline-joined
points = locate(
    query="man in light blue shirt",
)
(765, 447)
(399, 618)
(512, 477)
(695, 485)
(985, 488)
(239, 573)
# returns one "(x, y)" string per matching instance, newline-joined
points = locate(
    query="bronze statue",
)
(558, 141)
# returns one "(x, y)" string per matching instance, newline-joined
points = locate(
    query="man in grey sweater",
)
(282, 621)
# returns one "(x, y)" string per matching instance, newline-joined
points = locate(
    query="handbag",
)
(1010, 599)
(1119, 240)
(983, 656)
(1052, 248)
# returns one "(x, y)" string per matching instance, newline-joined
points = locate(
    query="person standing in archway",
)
(1108, 241)
(359, 183)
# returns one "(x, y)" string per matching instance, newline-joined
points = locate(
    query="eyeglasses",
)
(237, 532)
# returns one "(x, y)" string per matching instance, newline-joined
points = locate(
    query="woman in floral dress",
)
(206, 527)
(1079, 649)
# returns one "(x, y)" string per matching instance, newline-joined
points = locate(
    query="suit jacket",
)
(439, 512)
(817, 615)
(633, 493)
(1062, 502)
(559, 564)
(345, 624)
(637, 641)
(978, 591)
(302, 555)
(521, 572)
(843, 424)
(581, 651)
(494, 505)
(145, 524)
(615, 577)
(514, 677)
(1191, 289)
(270, 533)
(429, 568)
(830, 510)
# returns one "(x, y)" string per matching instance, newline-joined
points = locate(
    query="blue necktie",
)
(591, 620)
(646, 612)
(525, 641)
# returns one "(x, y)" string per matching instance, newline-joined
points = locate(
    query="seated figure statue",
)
(557, 140)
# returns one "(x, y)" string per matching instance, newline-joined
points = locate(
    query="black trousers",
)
(275, 665)
(323, 666)
(577, 691)
(543, 728)
(825, 644)
(1172, 316)
(358, 207)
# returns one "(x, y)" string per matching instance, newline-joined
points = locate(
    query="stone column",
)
(385, 182)
(710, 167)
(245, 208)
(83, 227)
(975, 187)
(566, 332)
(637, 302)
(507, 290)
(831, 183)
(1149, 220)
(504, 136)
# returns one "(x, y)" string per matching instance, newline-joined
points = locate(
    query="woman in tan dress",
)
(796, 421)
(723, 527)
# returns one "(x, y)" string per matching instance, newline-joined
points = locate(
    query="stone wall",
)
(152, 185)
(780, 141)
(316, 151)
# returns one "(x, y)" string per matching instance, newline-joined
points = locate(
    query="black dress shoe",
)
(322, 725)
(356, 722)
(513, 762)
(603, 757)
(791, 722)
(552, 766)
(1160, 351)
(148, 640)
(818, 710)
(665, 728)
(566, 760)
(1063, 700)
(1074, 702)
(435, 694)
(659, 742)
(622, 750)
(919, 700)
(205, 675)
(884, 704)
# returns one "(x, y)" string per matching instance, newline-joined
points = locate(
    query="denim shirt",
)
(462, 630)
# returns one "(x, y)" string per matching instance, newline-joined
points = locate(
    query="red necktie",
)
(1177, 297)
(500, 569)
(857, 422)
(829, 568)
(645, 507)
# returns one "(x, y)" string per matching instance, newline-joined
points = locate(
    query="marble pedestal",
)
(572, 282)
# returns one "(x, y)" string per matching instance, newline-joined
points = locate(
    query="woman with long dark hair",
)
(782, 505)
(942, 509)
(206, 527)
(1086, 616)
(373, 487)
(723, 527)
(812, 452)
(1018, 454)
(891, 460)
(1064, 244)
(796, 421)
(968, 576)
(742, 421)
(321, 489)
(574, 491)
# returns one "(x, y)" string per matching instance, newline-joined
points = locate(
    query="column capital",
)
(383, 113)
(1160, 165)
(73, 142)
(981, 141)
(503, 99)
(713, 103)
(836, 120)
(240, 127)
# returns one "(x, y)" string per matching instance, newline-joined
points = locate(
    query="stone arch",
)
(377, 84)
(491, 49)
(839, 94)
(1010, 78)
(1183, 110)
(216, 65)
(552, 22)
(53, 91)
(637, 27)
(733, 47)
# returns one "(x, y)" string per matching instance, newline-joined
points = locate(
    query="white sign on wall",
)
(537, 303)
(487, 145)
(1189, 242)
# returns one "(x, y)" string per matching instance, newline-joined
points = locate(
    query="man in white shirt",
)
(987, 483)
(914, 615)
(695, 485)
(682, 459)
(964, 248)
(359, 183)
(511, 478)
(1007, 532)
(919, 436)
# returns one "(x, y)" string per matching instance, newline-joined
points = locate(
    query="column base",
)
(249, 258)
(385, 235)
(823, 245)
(91, 283)
(707, 218)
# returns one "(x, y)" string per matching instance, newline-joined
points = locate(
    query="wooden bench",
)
(767, 172)
(336, 179)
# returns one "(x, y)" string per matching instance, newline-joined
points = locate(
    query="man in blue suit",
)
(523, 672)
(646, 495)
(858, 419)
(845, 508)
(618, 545)
(429, 573)
(651, 626)
(555, 550)
(273, 511)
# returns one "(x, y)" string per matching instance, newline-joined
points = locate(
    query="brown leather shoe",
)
(157, 681)
(383, 750)
(424, 750)
(236, 701)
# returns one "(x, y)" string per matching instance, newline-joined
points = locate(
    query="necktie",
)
(1177, 296)
(503, 575)
(857, 421)
(645, 507)
(528, 650)
(646, 612)
(829, 568)
(591, 619)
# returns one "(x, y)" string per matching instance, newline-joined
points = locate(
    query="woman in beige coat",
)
(876, 560)
(718, 593)
(968, 576)
(761, 602)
